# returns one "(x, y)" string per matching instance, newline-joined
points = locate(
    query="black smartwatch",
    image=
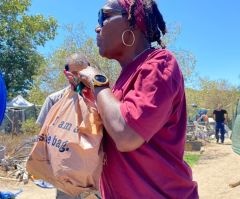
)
(100, 81)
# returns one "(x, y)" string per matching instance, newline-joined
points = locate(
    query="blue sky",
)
(210, 29)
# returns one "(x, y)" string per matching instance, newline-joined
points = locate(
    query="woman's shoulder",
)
(160, 54)
(163, 61)
(162, 58)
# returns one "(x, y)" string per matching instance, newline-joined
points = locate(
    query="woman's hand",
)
(86, 75)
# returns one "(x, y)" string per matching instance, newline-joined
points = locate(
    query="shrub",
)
(30, 127)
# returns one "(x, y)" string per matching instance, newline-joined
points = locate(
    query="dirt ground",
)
(217, 168)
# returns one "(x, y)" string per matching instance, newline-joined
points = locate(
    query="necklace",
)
(138, 55)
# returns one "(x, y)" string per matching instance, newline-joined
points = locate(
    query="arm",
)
(127, 121)
(214, 115)
(225, 117)
(44, 111)
(48, 103)
(125, 138)
(144, 109)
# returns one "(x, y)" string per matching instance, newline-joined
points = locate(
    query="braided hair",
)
(154, 21)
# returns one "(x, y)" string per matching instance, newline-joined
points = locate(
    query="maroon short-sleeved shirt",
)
(151, 90)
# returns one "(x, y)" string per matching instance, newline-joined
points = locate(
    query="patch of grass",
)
(191, 159)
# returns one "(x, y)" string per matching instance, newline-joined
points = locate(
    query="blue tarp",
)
(202, 112)
(3, 97)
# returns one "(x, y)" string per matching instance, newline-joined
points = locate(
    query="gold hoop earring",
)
(123, 35)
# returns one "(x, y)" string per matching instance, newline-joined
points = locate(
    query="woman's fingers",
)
(88, 73)
(84, 79)
(85, 76)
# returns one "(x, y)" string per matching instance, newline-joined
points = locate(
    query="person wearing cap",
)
(75, 62)
(144, 113)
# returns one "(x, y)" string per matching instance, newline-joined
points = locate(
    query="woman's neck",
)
(132, 55)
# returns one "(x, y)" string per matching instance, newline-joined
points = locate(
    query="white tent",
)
(18, 110)
(19, 102)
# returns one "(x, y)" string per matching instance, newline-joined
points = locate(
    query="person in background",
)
(3, 98)
(75, 63)
(144, 114)
(220, 117)
(48, 103)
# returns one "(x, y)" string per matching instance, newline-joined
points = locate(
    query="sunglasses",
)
(104, 14)
(66, 67)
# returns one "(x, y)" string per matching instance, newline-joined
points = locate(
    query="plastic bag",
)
(68, 152)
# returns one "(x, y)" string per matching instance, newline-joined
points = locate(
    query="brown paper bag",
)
(68, 152)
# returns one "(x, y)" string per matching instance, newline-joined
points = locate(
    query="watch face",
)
(101, 78)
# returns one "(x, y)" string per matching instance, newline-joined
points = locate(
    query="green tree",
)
(219, 92)
(185, 58)
(187, 62)
(20, 34)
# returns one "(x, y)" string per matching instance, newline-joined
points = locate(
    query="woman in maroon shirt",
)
(144, 114)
